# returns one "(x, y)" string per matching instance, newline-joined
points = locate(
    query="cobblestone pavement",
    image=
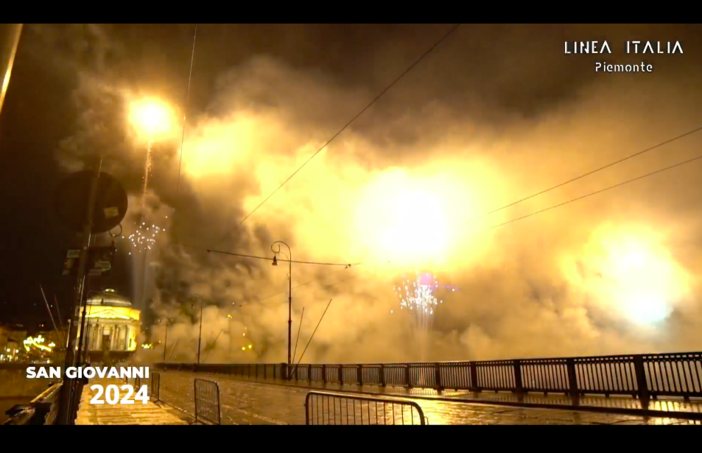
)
(257, 403)
(124, 414)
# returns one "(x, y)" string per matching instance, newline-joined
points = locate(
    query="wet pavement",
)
(125, 414)
(257, 403)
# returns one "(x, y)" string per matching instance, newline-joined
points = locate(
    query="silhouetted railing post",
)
(359, 375)
(641, 378)
(437, 377)
(285, 372)
(408, 377)
(572, 378)
(519, 386)
(341, 375)
(382, 375)
(324, 373)
(474, 377)
(309, 372)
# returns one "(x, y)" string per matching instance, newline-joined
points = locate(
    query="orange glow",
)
(152, 118)
(636, 276)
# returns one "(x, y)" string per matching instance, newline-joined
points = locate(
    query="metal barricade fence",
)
(323, 408)
(207, 407)
(155, 386)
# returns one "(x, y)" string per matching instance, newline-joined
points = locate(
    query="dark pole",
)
(65, 411)
(290, 309)
(165, 344)
(81, 357)
(199, 340)
(289, 294)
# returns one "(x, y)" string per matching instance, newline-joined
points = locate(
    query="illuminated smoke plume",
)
(465, 133)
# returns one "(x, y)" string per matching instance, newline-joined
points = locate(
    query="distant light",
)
(250, 346)
(243, 348)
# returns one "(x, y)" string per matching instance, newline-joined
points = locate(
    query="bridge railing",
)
(643, 375)
(323, 408)
(42, 410)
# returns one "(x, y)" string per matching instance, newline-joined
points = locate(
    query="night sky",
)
(487, 85)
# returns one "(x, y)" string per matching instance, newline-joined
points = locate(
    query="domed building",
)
(111, 325)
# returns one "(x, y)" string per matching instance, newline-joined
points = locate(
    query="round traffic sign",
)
(110, 201)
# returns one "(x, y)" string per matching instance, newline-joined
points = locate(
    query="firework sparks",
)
(144, 238)
(417, 295)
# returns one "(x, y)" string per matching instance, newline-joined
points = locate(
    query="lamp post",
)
(199, 338)
(165, 341)
(276, 250)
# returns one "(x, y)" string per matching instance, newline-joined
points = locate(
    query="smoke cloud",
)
(494, 115)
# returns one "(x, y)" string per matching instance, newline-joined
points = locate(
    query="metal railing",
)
(134, 381)
(643, 375)
(323, 408)
(155, 386)
(207, 407)
(42, 410)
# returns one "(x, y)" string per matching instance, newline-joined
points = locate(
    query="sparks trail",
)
(147, 172)
(417, 295)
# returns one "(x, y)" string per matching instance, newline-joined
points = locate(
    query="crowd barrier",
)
(155, 386)
(207, 407)
(323, 408)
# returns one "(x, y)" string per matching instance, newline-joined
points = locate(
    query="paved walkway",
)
(122, 414)
(259, 403)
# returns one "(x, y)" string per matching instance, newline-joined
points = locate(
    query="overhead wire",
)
(258, 302)
(584, 175)
(346, 126)
(572, 200)
(185, 118)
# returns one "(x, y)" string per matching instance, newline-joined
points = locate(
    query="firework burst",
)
(144, 238)
(417, 295)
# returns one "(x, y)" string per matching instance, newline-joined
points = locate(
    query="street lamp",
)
(199, 340)
(169, 323)
(276, 250)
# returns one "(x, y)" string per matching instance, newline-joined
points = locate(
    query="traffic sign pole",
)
(66, 414)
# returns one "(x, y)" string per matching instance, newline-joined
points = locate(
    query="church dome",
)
(109, 298)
